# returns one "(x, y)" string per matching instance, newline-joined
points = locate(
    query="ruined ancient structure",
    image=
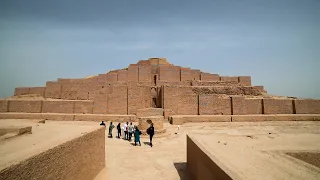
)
(153, 83)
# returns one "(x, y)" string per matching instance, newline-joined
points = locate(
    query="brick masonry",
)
(28, 106)
(4, 105)
(63, 106)
(307, 106)
(278, 106)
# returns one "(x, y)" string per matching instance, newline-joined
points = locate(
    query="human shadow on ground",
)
(146, 143)
(134, 145)
(182, 170)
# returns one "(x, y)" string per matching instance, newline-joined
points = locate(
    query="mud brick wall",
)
(21, 91)
(180, 83)
(56, 106)
(229, 90)
(53, 90)
(117, 100)
(4, 105)
(133, 73)
(139, 97)
(169, 73)
(215, 83)
(171, 98)
(28, 106)
(144, 74)
(209, 77)
(185, 74)
(83, 107)
(195, 73)
(307, 106)
(253, 106)
(214, 105)
(112, 77)
(229, 78)
(37, 90)
(245, 80)
(238, 105)
(123, 75)
(81, 158)
(70, 91)
(278, 106)
(188, 105)
(100, 100)
(199, 163)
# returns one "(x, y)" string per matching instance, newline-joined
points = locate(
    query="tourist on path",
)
(125, 129)
(150, 131)
(110, 129)
(119, 130)
(102, 124)
(131, 129)
(137, 134)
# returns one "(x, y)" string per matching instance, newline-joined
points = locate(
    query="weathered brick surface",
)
(56, 106)
(70, 91)
(238, 105)
(100, 100)
(180, 83)
(188, 105)
(215, 83)
(37, 90)
(105, 117)
(277, 106)
(139, 97)
(195, 73)
(117, 100)
(186, 74)
(307, 106)
(169, 73)
(53, 90)
(144, 74)
(102, 78)
(221, 106)
(112, 77)
(80, 158)
(83, 107)
(229, 78)
(253, 106)
(28, 106)
(245, 80)
(123, 75)
(205, 104)
(21, 91)
(275, 117)
(209, 77)
(133, 73)
(149, 112)
(4, 105)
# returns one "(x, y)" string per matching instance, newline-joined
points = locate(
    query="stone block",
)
(245, 80)
(21, 91)
(209, 77)
(229, 78)
(37, 90)
(238, 105)
(253, 106)
(188, 105)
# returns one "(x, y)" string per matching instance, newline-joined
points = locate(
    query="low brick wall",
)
(149, 112)
(200, 163)
(28, 106)
(80, 158)
(70, 117)
(181, 119)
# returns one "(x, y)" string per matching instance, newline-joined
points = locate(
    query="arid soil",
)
(167, 159)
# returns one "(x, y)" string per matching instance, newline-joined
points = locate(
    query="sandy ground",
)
(167, 159)
(43, 137)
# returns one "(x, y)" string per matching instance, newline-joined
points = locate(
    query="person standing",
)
(150, 132)
(131, 129)
(119, 130)
(110, 129)
(137, 134)
(125, 129)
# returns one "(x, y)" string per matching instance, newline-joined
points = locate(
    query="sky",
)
(276, 42)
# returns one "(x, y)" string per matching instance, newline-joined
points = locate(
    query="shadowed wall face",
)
(81, 158)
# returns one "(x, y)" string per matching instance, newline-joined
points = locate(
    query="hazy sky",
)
(277, 42)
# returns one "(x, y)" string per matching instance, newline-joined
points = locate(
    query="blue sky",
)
(277, 42)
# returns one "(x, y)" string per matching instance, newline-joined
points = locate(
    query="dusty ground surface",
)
(43, 137)
(167, 159)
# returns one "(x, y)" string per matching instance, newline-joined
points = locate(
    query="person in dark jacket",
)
(119, 130)
(137, 134)
(150, 131)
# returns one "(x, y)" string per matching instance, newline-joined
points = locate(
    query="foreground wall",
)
(200, 165)
(80, 158)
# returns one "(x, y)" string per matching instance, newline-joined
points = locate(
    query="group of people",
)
(129, 130)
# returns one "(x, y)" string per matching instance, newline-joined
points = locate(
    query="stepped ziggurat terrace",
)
(228, 127)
